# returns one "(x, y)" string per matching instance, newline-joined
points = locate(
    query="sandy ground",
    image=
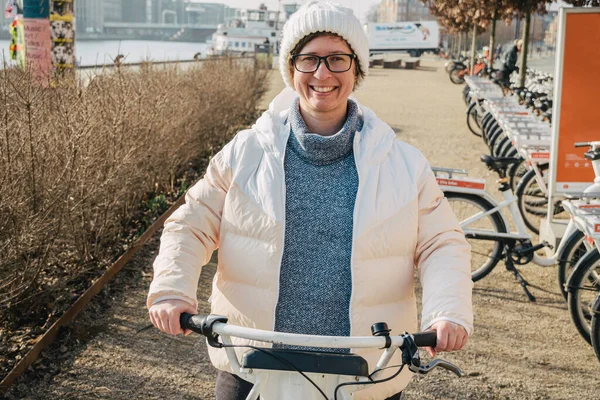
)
(520, 350)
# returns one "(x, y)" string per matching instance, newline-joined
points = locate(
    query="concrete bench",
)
(392, 64)
(412, 63)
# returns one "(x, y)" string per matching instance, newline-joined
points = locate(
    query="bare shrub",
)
(76, 160)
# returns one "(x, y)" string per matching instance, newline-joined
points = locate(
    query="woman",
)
(320, 215)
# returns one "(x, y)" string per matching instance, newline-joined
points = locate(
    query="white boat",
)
(251, 30)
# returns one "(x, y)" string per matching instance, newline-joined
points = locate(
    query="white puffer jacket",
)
(401, 221)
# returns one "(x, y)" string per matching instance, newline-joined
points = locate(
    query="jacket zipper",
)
(358, 191)
(283, 196)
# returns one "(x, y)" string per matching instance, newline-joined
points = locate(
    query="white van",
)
(412, 37)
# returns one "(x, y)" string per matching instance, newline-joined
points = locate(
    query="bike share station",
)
(544, 148)
(575, 120)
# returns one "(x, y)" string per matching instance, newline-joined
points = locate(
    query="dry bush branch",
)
(76, 161)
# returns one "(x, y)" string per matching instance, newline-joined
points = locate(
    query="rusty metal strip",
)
(45, 339)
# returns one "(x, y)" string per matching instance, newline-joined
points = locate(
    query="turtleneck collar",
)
(322, 150)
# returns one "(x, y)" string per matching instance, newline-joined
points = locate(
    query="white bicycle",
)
(486, 227)
(312, 375)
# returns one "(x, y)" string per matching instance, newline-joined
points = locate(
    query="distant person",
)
(498, 51)
(510, 62)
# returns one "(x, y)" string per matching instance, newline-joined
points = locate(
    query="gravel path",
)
(519, 350)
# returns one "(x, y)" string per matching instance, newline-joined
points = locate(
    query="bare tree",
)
(373, 13)
(462, 16)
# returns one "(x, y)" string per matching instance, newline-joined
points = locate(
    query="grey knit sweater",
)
(315, 281)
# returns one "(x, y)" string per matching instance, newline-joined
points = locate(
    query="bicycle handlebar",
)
(586, 144)
(214, 325)
(425, 339)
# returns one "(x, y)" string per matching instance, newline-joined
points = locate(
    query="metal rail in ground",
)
(48, 337)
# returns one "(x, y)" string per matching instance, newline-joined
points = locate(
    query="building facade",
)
(402, 10)
(89, 16)
(113, 10)
(134, 11)
(209, 13)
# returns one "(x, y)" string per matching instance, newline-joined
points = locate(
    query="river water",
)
(98, 52)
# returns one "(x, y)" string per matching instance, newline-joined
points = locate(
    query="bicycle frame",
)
(510, 202)
(584, 222)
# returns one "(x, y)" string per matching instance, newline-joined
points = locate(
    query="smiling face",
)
(325, 92)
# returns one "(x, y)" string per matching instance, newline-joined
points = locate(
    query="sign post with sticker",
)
(36, 32)
(575, 110)
(62, 28)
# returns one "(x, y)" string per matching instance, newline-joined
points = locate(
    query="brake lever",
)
(425, 369)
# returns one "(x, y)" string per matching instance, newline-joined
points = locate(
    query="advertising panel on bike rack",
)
(577, 85)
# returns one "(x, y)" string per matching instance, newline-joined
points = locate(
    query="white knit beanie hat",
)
(323, 16)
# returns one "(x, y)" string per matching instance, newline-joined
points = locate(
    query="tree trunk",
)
(473, 49)
(525, 38)
(454, 46)
(459, 47)
(493, 40)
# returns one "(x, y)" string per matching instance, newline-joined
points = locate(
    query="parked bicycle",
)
(279, 373)
(486, 227)
(510, 129)
(596, 327)
(460, 70)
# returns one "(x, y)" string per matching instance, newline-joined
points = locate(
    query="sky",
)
(360, 7)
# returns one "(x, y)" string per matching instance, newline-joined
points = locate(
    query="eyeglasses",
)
(334, 62)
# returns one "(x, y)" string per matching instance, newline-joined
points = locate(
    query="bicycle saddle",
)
(496, 163)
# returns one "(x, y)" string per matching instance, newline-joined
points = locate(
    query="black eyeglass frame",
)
(324, 58)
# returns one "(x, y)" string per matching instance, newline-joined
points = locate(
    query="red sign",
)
(540, 155)
(577, 103)
(461, 183)
(589, 206)
(38, 47)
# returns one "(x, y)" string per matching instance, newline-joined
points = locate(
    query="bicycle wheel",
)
(466, 94)
(596, 327)
(516, 172)
(532, 201)
(485, 253)
(486, 121)
(473, 120)
(499, 145)
(568, 257)
(496, 135)
(583, 287)
(508, 150)
(456, 77)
